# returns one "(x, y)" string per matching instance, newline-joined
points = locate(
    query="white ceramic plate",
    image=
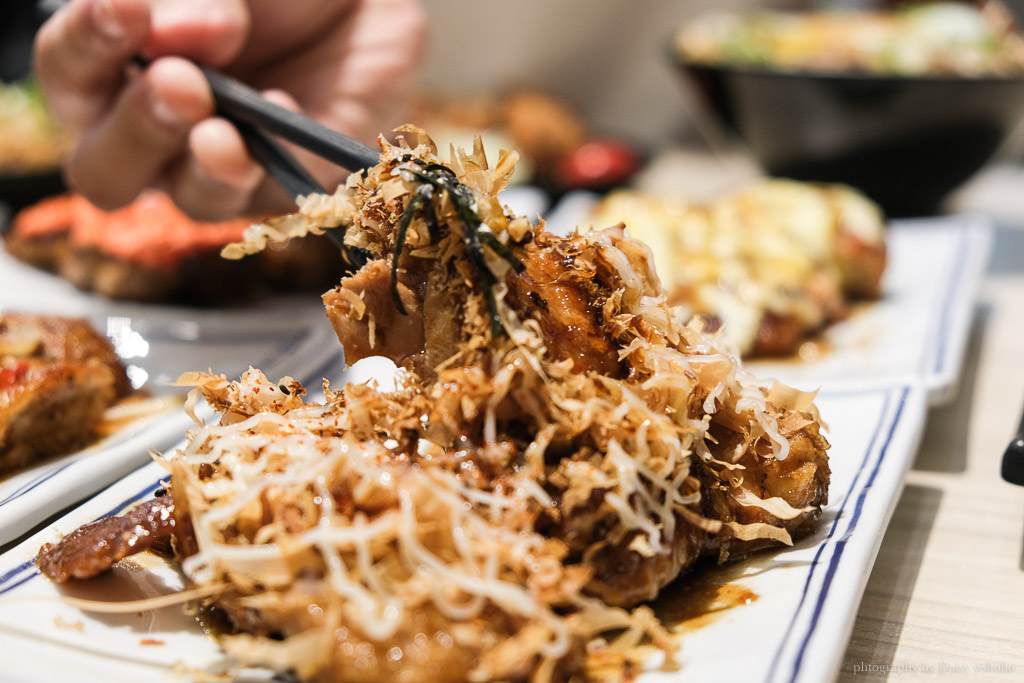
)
(807, 597)
(286, 336)
(30, 496)
(795, 630)
(916, 332)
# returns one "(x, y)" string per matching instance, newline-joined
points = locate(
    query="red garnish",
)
(598, 164)
(13, 374)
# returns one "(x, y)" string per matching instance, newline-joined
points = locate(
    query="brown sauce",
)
(816, 347)
(133, 578)
(212, 620)
(693, 601)
(616, 667)
(699, 602)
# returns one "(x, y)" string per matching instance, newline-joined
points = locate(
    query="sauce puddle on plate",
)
(693, 601)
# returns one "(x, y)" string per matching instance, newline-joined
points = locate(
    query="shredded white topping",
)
(480, 496)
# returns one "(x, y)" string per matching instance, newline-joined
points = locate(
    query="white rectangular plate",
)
(918, 330)
(915, 333)
(795, 630)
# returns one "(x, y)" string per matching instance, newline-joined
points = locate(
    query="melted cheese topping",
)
(750, 253)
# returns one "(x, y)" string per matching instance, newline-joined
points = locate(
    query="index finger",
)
(81, 53)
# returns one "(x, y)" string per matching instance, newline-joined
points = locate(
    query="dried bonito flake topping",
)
(507, 504)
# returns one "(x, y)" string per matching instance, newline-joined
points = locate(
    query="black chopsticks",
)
(1013, 458)
(256, 118)
(252, 115)
(279, 164)
(240, 103)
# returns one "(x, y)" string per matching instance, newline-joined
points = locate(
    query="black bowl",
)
(906, 142)
(19, 21)
(20, 190)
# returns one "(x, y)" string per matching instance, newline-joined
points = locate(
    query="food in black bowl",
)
(32, 147)
(874, 100)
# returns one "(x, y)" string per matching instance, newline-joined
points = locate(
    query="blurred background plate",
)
(916, 332)
(283, 335)
(156, 350)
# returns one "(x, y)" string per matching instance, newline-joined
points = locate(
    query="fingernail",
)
(105, 15)
(164, 113)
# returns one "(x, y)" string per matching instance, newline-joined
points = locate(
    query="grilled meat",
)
(57, 376)
(96, 547)
(771, 264)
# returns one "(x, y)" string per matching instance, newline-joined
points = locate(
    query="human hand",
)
(348, 63)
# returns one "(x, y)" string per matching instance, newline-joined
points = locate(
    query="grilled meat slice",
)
(558, 288)
(94, 548)
(363, 314)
